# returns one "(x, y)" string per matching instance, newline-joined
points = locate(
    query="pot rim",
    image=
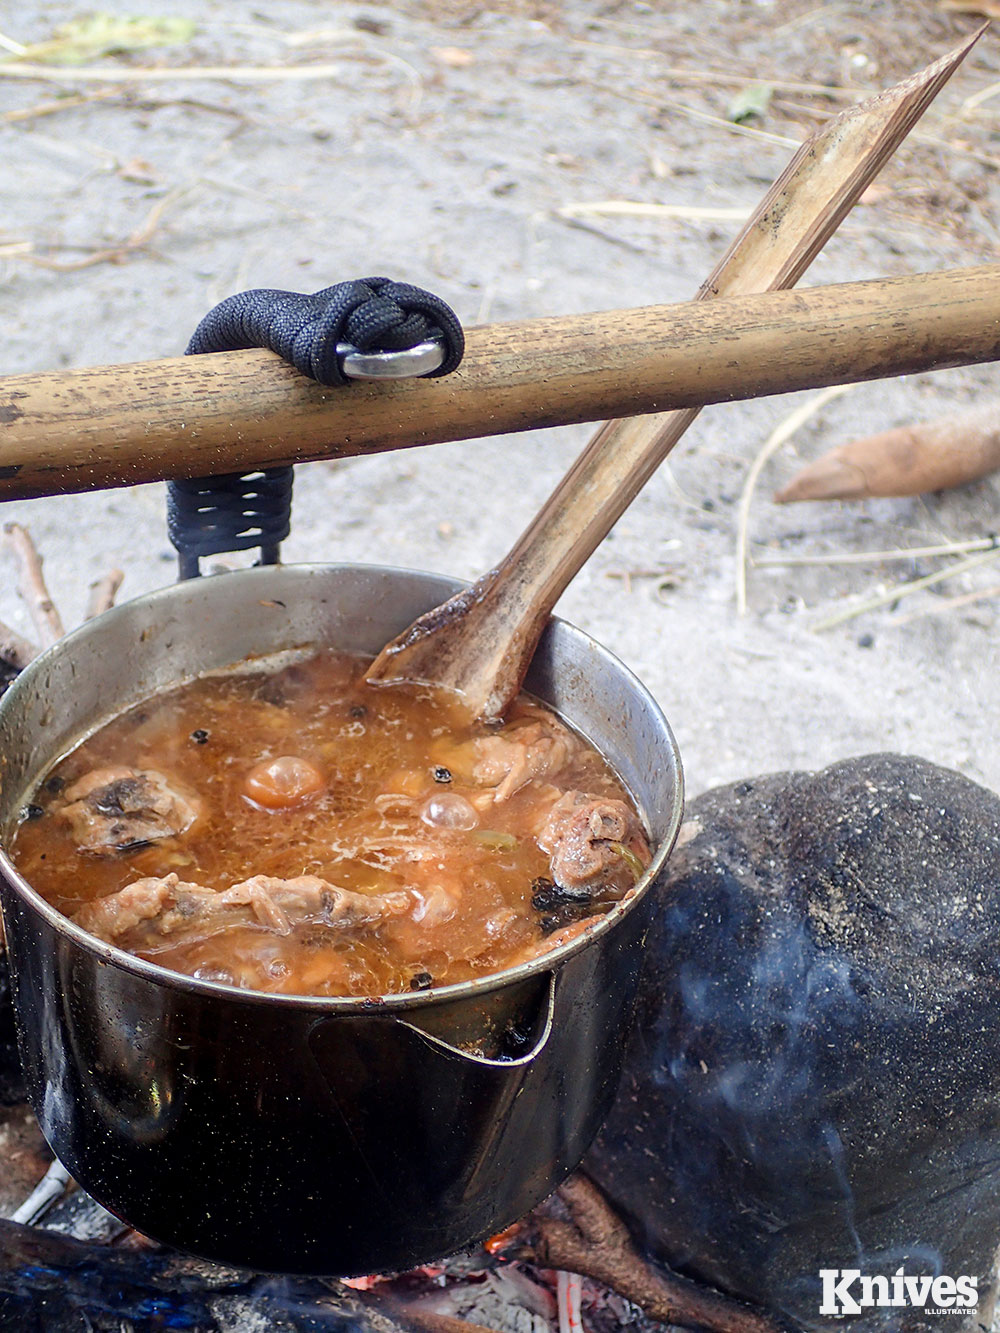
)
(111, 955)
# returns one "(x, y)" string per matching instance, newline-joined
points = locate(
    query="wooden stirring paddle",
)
(481, 641)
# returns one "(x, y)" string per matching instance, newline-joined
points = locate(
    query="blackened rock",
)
(814, 1079)
(51, 1284)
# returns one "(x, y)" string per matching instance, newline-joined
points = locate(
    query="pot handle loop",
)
(517, 1043)
(368, 328)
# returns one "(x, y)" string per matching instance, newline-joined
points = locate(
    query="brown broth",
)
(385, 758)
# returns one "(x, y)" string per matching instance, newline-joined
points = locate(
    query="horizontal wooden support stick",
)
(76, 430)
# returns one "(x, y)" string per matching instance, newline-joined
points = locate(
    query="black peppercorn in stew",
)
(297, 830)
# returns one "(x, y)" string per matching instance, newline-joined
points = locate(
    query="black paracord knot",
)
(370, 313)
(240, 510)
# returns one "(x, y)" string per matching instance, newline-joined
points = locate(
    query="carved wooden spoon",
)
(481, 641)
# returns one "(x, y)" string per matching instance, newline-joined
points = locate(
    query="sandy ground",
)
(439, 149)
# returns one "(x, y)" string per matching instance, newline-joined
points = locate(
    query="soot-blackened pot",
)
(297, 1134)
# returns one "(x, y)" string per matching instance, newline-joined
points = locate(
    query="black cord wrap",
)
(369, 313)
(240, 510)
(234, 511)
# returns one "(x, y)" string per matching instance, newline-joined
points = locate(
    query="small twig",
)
(8, 44)
(31, 584)
(131, 102)
(116, 253)
(166, 73)
(632, 209)
(810, 16)
(977, 99)
(718, 122)
(692, 113)
(779, 436)
(127, 98)
(56, 104)
(103, 592)
(783, 105)
(667, 472)
(950, 146)
(706, 118)
(596, 1244)
(313, 36)
(627, 575)
(737, 77)
(904, 590)
(949, 604)
(370, 47)
(15, 651)
(873, 557)
(579, 225)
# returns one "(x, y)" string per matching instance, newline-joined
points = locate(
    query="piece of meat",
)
(593, 843)
(152, 913)
(537, 748)
(432, 878)
(115, 809)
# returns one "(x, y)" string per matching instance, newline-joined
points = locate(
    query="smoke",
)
(814, 1080)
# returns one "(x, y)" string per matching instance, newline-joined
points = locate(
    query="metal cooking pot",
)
(337, 1136)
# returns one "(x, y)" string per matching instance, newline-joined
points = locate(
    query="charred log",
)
(595, 1243)
(52, 1284)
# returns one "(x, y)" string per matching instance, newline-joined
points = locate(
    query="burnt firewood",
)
(593, 1241)
(814, 1081)
(52, 1284)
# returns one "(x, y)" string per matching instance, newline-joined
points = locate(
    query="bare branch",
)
(103, 592)
(31, 584)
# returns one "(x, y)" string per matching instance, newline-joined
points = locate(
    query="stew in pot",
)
(294, 829)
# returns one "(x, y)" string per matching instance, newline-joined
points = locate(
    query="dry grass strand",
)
(781, 434)
(900, 590)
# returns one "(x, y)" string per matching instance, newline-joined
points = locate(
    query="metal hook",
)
(406, 364)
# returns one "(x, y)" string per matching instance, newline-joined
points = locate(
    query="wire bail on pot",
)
(370, 328)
